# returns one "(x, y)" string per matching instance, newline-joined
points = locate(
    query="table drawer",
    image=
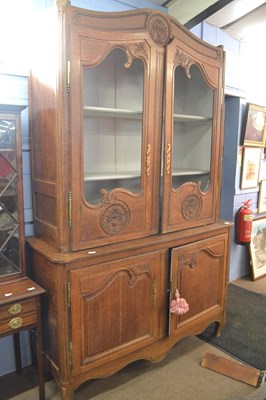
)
(15, 323)
(19, 308)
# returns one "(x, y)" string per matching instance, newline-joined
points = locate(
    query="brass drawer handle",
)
(15, 323)
(15, 309)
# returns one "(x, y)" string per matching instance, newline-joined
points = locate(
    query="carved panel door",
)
(192, 145)
(115, 309)
(116, 92)
(199, 274)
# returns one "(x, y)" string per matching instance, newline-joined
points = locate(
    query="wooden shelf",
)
(133, 174)
(136, 114)
(5, 149)
(112, 113)
(187, 172)
(191, 118)
(112, 176)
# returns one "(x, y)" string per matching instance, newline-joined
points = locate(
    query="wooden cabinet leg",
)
(39, 356)
(16, 341)
(66, 392)
(218, 329)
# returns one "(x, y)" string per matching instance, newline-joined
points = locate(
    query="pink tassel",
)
(179, 306)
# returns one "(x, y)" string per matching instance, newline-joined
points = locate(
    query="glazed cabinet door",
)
(199, 274)
(12, 253)
(117, 308)
(192, 145)
(116, 92)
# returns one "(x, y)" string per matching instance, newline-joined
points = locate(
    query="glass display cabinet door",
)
(11, 201)
(190, 147)
(115, 150)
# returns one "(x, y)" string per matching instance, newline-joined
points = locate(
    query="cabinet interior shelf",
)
(136, 114)
(191, 118)
(131, 175)
(186, 172)
(5, 149)
(110, 176)
(112, 113)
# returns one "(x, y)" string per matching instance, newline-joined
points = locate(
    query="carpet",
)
(244, 334)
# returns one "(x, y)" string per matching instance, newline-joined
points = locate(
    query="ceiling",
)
(245, 20)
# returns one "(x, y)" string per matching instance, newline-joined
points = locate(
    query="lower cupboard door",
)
(199, 274)
(114, 309)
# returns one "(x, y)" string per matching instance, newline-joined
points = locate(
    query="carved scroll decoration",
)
(159, 29)
(189, 260)
(136, 271)
(135, 50)
(116, 215)
(191, 207)
(184, 61)
(185, 260)
(133, 273)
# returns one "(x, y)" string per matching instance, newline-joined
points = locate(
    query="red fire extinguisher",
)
(244, 218)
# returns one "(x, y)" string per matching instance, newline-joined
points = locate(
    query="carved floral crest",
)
(191, 207)
(159, 29)
(115, 216)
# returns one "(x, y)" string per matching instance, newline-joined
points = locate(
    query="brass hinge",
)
(154, 289)
(70, 354)
(68, 294)
(70, 209)
(68, 72)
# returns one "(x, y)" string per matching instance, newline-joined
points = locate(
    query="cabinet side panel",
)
(46, 274)
(43, 158)
(43, 126)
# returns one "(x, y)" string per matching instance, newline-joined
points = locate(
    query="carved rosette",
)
(184, 61)
(191, 207)
(135, 50)
(115, 217)
(159, 29)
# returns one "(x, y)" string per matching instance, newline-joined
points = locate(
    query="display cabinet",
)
(19, 295)
(12, 240)
(126, 138)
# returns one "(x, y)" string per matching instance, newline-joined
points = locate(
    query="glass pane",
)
(193, 107)
(9, 243)
(113, 104)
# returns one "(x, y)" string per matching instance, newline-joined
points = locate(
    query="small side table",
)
(20, 310)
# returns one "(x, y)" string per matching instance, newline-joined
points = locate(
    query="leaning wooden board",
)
(234, 369)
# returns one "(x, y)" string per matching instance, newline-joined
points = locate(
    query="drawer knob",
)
(15, 309)
(15, 323)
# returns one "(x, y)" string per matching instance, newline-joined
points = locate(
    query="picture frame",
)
(251, 160)
(255, 126)
(262, 197)
(257, 249)
(262, 176)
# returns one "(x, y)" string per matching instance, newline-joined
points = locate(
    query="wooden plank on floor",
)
(232, 369)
